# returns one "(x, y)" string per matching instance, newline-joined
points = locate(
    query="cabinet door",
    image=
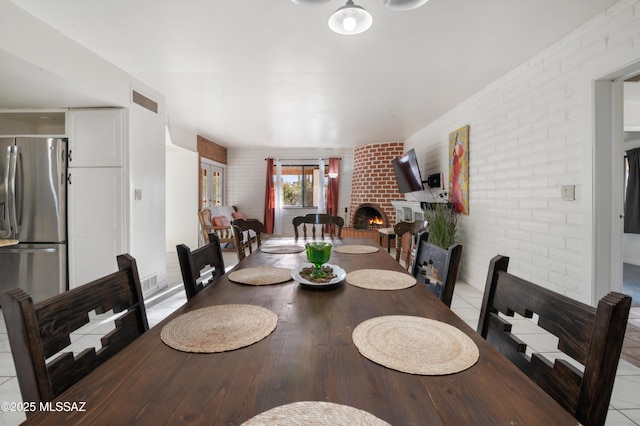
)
(96, 222)
(96, 138)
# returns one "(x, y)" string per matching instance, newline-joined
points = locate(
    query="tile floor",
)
(625, 402)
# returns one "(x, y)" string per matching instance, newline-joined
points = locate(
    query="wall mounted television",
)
(407, 172)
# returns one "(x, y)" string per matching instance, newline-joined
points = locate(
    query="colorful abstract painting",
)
(459, 170)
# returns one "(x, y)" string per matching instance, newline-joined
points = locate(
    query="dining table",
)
(310, 356)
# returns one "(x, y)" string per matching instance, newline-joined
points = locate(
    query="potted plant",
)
(443, 221)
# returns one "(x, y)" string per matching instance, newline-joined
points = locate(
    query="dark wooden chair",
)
(246, 232)
(38, 332)
(593, 337)
(331, 225)
(406, 234)
(200, 266)
(437, 268)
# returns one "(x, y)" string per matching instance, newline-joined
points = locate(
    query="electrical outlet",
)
(568, 192)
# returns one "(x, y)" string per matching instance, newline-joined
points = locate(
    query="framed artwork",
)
(459, 170)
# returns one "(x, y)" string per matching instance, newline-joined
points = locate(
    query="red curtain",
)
(269, 200)
(332, 187)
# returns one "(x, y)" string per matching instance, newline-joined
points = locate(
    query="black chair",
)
(592, 337)
(437, 268)
(331, 225)
(200, 266)
(406, 234)
(246, 232)
(38, 332)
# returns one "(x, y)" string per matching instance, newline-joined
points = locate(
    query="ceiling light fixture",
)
(350, 19)
(403, 4)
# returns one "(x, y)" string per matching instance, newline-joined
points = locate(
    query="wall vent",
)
(149, 283)
(144, 102)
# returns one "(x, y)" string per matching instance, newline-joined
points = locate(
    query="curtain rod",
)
(301, 159)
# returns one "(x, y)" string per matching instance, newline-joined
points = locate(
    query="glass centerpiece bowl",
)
(318, 253)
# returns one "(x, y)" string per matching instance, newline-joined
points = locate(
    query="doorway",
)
(212, 176)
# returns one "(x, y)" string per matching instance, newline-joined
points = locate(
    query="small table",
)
(391, 235)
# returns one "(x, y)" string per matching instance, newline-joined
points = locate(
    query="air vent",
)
(144, 102)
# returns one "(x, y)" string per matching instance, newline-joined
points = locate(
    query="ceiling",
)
(271, 73)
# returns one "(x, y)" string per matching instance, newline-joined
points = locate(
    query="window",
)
(300, 185)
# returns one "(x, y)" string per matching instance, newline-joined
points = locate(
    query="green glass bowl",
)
(318, 253)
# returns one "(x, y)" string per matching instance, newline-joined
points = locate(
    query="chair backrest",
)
(437, 268)
(332, 225)
(593, 337)
(246, 232)
(200, 266)
(38, 332)
(206, 223)
(402, 228)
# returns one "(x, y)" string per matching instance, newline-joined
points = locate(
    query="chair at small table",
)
(404, 244)
(246, 232)
(437, 268)
(38, 333)
(592, 337)
(322, 220)
(200, 266)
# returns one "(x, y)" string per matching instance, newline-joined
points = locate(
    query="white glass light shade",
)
(349, 13)
(403, 4)
(333, 175)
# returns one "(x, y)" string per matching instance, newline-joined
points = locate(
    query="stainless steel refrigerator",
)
(33, 207)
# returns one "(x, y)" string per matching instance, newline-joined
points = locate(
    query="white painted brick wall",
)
(246, 173)
(530, 134)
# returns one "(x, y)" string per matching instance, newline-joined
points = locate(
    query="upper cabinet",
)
(96, 137)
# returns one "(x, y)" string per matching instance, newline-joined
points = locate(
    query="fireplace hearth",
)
(369, 216)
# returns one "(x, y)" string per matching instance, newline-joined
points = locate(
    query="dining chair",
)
(406, 234)
(200, 266)
(246, 232)
(39, 333)
(332, 225)
(437, 268)
(591, 336)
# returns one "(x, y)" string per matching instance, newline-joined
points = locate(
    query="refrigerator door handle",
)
(13, 215)
(28, 250)
(5, 203)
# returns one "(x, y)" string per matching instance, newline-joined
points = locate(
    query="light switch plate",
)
(137, 194)
(568, 192)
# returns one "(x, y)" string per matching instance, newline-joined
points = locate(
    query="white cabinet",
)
(96, 137)
(96, 222)
(95, 193)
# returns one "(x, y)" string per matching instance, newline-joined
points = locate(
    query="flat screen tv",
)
(408, 172)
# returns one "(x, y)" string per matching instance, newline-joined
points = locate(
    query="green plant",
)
(443, 221)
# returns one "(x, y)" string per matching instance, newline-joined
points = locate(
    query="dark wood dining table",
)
(310, 356)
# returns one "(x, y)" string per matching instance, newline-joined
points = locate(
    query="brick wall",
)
(531, 132)
(373, 179)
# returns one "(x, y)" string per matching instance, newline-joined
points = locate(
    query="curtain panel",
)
(269, 200)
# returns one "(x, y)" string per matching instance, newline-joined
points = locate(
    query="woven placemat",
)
(355, 249)
(415, 345)
(380, 279)
(219, 328)
(315, 413)
(261, 275)
(281, 249)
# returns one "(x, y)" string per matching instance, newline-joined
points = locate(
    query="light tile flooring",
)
(625, 402)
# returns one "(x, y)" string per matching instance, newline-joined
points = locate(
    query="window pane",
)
(292, 185)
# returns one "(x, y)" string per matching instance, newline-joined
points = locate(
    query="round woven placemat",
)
(415, 345)
(219, 328)
(315, 413)
(261, 275)
(380, 279)
(281, 249)
(355, 249)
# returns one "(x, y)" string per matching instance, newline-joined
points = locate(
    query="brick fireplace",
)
(374, 184)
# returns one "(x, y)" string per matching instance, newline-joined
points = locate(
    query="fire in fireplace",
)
(369, 216)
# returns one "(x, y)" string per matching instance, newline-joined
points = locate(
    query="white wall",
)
(246, 173)
(530, 133)
(30, 39)
(182, 198)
